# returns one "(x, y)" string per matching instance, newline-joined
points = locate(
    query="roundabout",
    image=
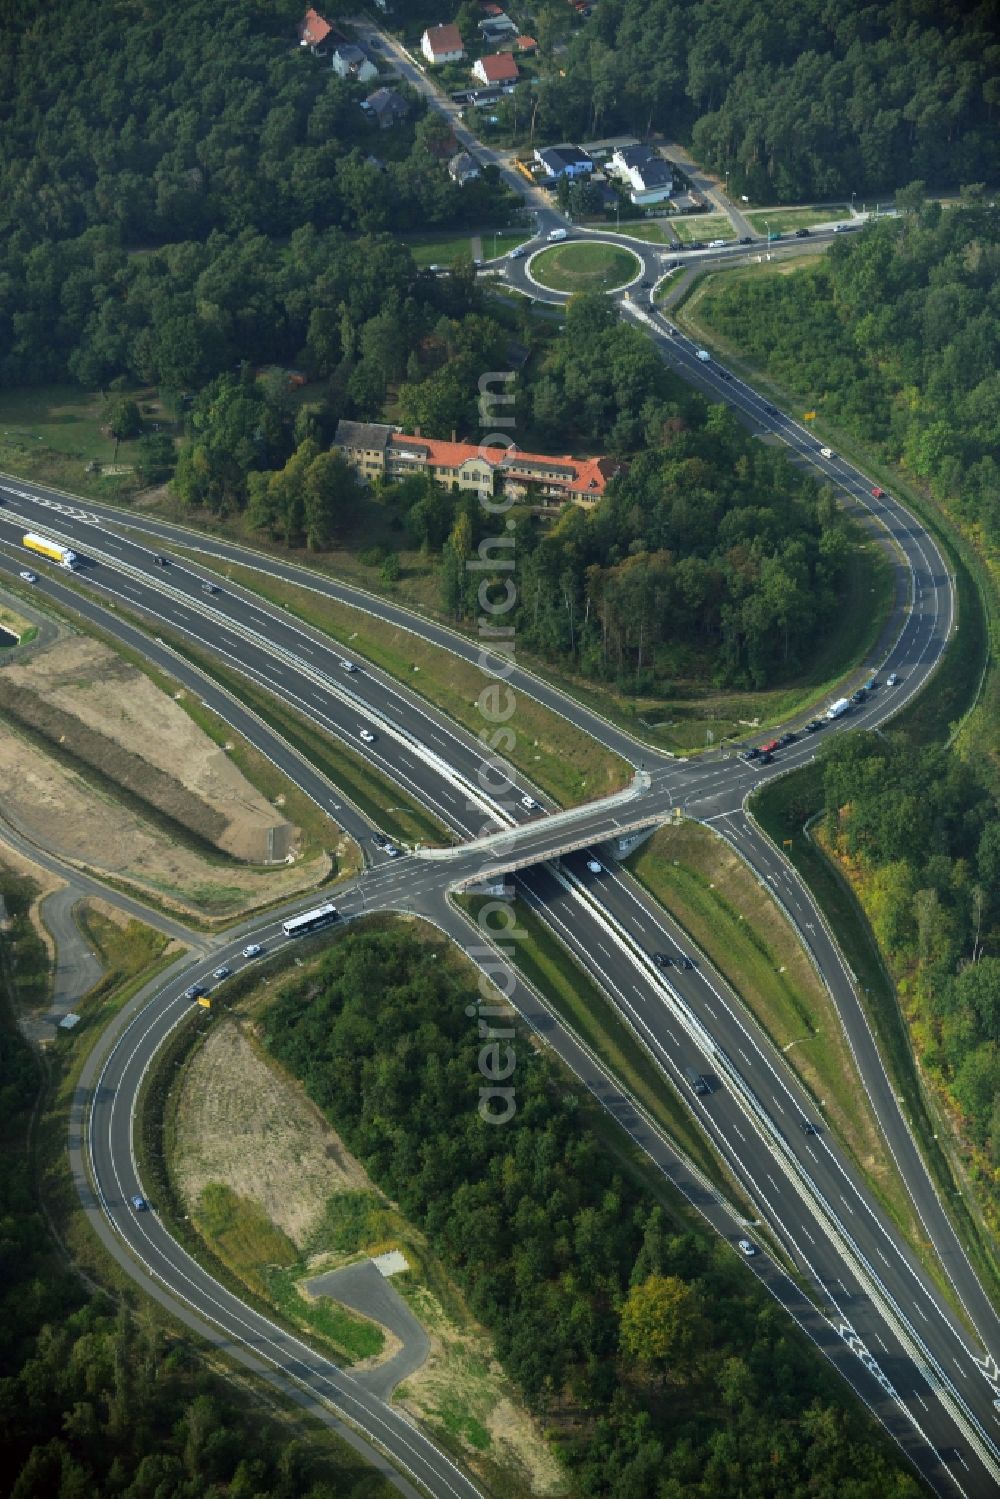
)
(584, 265)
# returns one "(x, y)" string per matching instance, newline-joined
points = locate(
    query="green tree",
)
(661, 1324)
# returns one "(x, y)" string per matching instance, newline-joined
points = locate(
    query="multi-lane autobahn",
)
(927, 1374)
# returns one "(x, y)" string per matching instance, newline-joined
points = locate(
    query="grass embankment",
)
(583, 265)
(550, 969)
(703, 227)
(653, 231)
(713, 896)
(559, 758)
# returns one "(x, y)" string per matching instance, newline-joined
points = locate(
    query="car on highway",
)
(390, 849)
(752, 753)
(717, 244)
(210, 588)
(662, 959)
(892, 680)
(826, 452)
(845, 228)
(724, 375)
(813, 725)
(529, 803)
(555, 235)
(195, 991)
(808, 1128)
(704, 355)
(745, 1247)
(366, 736)
(746, 239)
(222, 972)
(252, 950)
(696, 244)
(802, 233)
(877, 493)
(28, 577)
(872, 684)
(595, 866)
(859, 696)
(518, 252)
(139, 1203)
(346, 665)
(772, 410)
(766, 757)
(787, 738)
(161, 561)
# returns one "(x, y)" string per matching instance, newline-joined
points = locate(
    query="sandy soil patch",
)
(242, 1122)
(92, 685)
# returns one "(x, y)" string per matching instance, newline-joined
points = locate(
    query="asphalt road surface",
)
(929, 1379)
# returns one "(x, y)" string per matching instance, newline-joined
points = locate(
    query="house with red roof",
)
(441, 44)
(315, 31)
(500, 68)
(378, 450)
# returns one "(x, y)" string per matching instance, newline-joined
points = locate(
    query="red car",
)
(877, 493)
(770, 747)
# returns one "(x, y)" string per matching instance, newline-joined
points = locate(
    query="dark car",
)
(772, 410)
(696, 244)
(662, 959)
(859, 696)
(788, 738)
(802, 233)
(685, 962)
(162, 561)
(724, 375)
(813, 725)
(809, 1128)
(139, 1203)
(766, 758)
(196, 991)
(751, 753)
(747, 239)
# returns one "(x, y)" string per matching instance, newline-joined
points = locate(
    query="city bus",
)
(309, 921)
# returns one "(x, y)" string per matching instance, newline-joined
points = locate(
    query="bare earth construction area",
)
(102, 768)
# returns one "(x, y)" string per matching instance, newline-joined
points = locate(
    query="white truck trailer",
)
(839, 708)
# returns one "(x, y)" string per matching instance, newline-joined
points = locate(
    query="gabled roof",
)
(583, 476)
(501, 68)
(386, 101)
(367, 435)
(443, 39)
(463, 165)
(351, 54)
(560, 157)
(313, 29)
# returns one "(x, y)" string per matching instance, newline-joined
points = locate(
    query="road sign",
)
(808, 416)
(205, 1002)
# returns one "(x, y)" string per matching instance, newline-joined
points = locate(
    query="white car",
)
(745, 1247)
(530, 803)
(252, 950)
(717, 244)
(348, 665)
(826, 452)
(595, 866)
(366, 736)
(704, 355)
(223, 972)
(28, 577)
(554, 235)
(892, 680)
(391, 850)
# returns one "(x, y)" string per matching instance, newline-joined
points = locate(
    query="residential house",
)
(498, 69)
(441, 44)
(315, 32)
(349, 61)
(563, 161)
(376, 450)
(463, 168)
(526, 45)
(649, 177)
(386, 107)
(498, 28)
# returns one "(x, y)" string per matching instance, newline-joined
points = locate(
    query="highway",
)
(878, 1318)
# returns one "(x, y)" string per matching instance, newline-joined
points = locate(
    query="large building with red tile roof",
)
(442, 44)
(376, 450)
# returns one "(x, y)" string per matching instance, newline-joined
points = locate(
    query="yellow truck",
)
(50, 549)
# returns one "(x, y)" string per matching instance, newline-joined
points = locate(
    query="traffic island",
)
(584, 265)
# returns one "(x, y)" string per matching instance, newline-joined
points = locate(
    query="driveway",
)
(364, 1289)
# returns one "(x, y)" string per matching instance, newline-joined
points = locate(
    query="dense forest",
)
(681, 1377)
(169, 186)
(793, 100)
(92, 1399)
(896, 336)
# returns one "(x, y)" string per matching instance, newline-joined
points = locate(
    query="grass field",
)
(782, 220)
(51, 432)
(585, 266)
(440, 251)
(703, 226)
(654, 231)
